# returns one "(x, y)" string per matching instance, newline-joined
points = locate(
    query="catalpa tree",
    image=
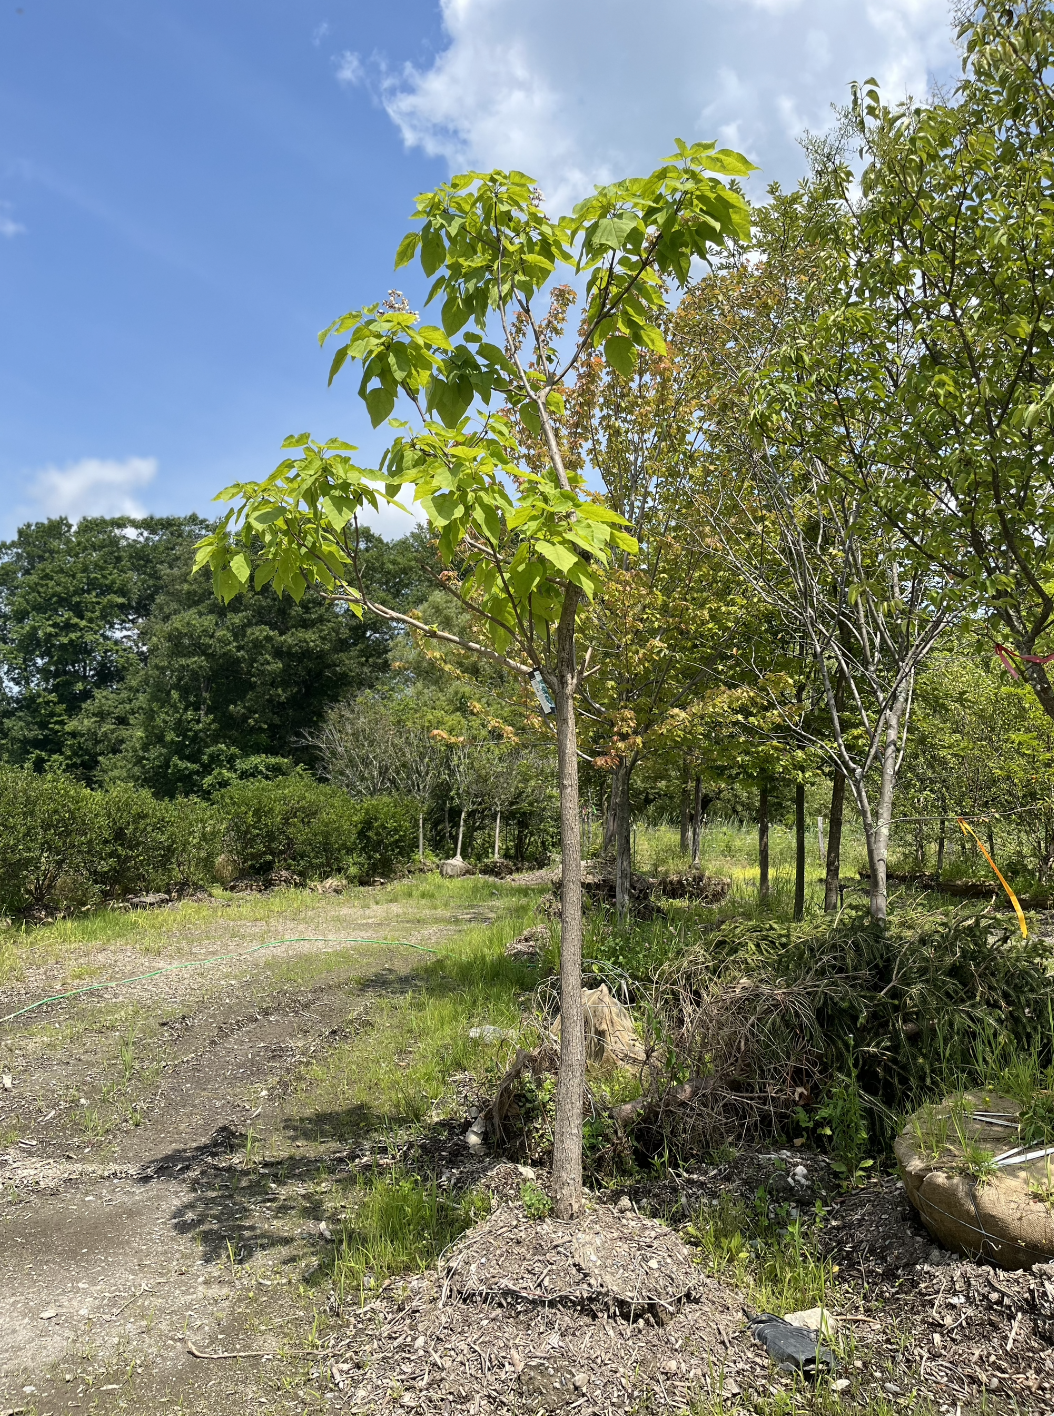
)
(522, 547)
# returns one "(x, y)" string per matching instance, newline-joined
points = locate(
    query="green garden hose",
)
(200, 963)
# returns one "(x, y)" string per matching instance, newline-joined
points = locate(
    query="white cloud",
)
(8, 225)
(94, 486)
(579, 91)
(350, 68)
(319, 33)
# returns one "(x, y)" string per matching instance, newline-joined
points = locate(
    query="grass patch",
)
(815, 1398)
(397, 1223)
(773, 1261)
(418, 1038)
(163, 931)
(149, 932)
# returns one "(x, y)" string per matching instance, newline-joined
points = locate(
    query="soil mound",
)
(603, 1263)
(978, 1190)
(487, 1334)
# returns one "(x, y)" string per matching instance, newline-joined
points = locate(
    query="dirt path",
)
(162, 1186)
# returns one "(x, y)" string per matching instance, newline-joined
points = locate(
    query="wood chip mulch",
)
(595, 1316)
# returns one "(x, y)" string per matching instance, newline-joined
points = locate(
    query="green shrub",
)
(131, 846)
(47, 826)
(142, 843)
(385, 835)
(290, 824)
(194, 836)
(296, 824)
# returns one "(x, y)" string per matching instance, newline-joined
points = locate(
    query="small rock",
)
(325, 1231)
(799, 1177)
(815, 1319)
(841, 1384)
(488, 1033)
(581, 1381)
(624, 1205)
(49, 1313)
(526, 1171)
(7, 1083)
(892, 1388)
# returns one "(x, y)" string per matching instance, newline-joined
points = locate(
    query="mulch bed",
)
(530, 1316)
(972, 1331)
(538, 1316)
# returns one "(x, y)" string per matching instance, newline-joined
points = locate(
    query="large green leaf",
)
(621, 355)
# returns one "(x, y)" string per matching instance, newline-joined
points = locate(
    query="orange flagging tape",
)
(967, 829)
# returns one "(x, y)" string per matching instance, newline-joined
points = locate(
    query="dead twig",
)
(223, 1356)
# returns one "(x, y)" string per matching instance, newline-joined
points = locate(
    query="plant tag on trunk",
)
(541, 689)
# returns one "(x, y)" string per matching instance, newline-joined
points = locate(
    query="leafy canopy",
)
(520, 537)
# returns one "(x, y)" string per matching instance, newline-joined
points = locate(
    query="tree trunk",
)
(684, 818)
(697, 821)
(763, 842)
(421, 837)
(623, 844)
(446, 825)
(799, 850)
(832, 895)
(609, 818)
(497, 834)
(460, 834)
(876, 824)
(570, 1082)
(941, 840)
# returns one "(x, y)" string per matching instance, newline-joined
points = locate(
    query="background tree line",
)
(121, 669)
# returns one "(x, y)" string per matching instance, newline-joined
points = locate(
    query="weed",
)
(929, 1126)
(776, 1264)
(91, 1122)
(1042, 1189)
(397, 1223)
(128, 1054)
(803, 1399)
(973, 1160)
(842, 1119)
(252, 1146)
(536, 1203)
(1037, 1118)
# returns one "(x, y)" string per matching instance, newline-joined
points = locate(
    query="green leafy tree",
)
(926, 376)
(856, 606)
(665, 618)
(523, 547)
(73, 602)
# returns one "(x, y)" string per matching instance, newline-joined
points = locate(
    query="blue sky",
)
(189, 191)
